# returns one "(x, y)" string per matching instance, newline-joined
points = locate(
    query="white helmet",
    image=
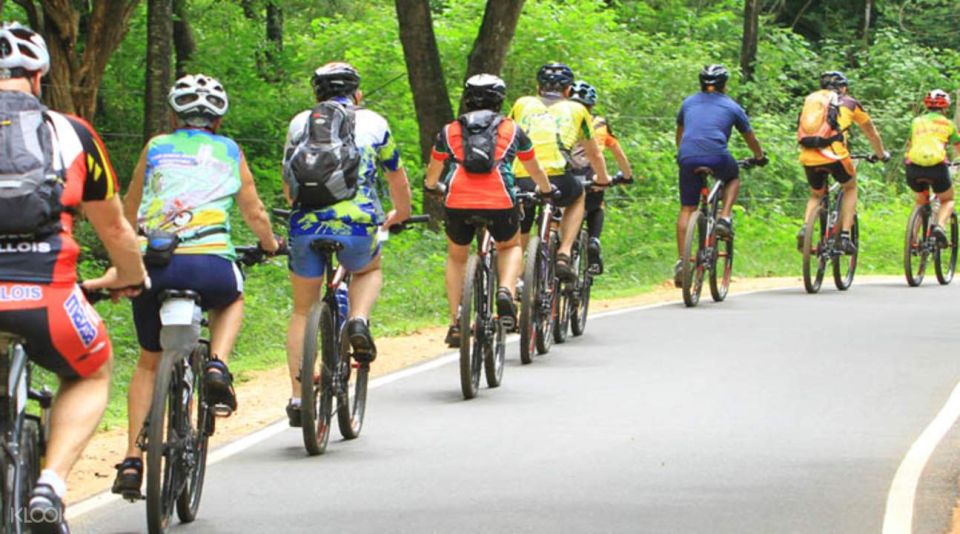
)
(198, 94)
(22, 48)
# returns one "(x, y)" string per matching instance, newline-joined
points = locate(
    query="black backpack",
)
(480, 130)
(325, 167)
(30, 187)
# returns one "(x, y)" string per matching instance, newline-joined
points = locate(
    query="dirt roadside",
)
(263, 396)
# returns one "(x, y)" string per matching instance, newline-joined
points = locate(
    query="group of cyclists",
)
(186, 182)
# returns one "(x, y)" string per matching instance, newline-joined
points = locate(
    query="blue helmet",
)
(584, 93)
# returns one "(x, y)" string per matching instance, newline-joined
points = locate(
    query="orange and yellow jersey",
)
(605, 140)
(851, 112)
(929, 135)
(555, 125)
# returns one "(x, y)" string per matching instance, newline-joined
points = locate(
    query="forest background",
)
(113, 61)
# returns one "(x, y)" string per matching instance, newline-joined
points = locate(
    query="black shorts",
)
(570, 190)
(503, 224)
(817, 174)
(921, 178)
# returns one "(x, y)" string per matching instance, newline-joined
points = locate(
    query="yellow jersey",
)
(554, 125)
(929, 136)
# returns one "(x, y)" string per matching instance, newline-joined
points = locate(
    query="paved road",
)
(772, 412)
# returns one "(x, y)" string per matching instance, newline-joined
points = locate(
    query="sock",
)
(50, 478)
(294, 401)
(844, 233)
(728, 220)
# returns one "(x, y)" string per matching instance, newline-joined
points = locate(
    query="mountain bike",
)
(920, 244)
(821, 242)
(333, 373)
(478, 317)
(703, 250)
(175, 435)
(540, 295)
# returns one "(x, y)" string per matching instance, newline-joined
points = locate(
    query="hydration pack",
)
(480, 131)
(818, 126)
(324, 168)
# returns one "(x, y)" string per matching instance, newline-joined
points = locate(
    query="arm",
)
(131, 202)
(251, 208)
(753, 143)
(622, 162)
(121, 243)
(597, 162)
(536, 173)
(874, 137)
(400, 193)
(434, 170)
(679, 135)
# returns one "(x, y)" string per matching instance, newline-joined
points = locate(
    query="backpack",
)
(480, 130)
(818, 126)
(30, 185)
(324, 168)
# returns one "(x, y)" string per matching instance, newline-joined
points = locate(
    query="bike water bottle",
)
(343, 302)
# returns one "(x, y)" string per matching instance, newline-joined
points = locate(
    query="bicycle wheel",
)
(529, 311)
(495, 349)
(352, 397)
(548, 294)
(945, 271)
(567, 296)
(814, 261)
(196, 438)
(29, 459)
(316, 397)
(722, 262)
(471, 338)
(691, 260)
(163, 449)
(843, 277)
(581, 305)
(915, 252)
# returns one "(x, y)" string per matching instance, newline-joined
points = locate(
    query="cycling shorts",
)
(842, 172)
(724, 167)
(62, 331)
(921, 178)
(217, 280)
(502, 224)
(570, 191)
(358, 251)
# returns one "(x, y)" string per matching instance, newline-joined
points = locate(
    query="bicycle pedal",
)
(222, 410)
(508, 323)
(132, 497)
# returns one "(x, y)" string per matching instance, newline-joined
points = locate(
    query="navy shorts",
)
(217, 280)
(724, 167)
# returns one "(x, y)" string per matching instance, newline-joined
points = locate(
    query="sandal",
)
(506, 311)
(564, 271)
(453, 336)
(219, 387)
(129, 479)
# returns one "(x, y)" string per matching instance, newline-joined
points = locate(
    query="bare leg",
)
(813, 202)
(509, 258)
(730, 191)
(77, 410)
(848, 208)
(946, 207)
(456, 265)
(365, 287)
(139, 397)
(570, 225)
(682, 218)
(306, 293)
(224, 328)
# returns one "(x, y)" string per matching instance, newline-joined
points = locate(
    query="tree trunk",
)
(273, 72)
(159, 49)
(493, 40)
(868, 9)
(249, 9)
(751, 29)
(183, 41)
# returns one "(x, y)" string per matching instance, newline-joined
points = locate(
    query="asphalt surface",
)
(772, 412)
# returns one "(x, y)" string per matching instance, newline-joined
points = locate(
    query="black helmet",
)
(833, 79)
(715, 75)
(335, 79)
(554, 76)
(484, 91)
(584, 93)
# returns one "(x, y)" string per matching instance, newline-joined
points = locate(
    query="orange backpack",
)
(818, 126)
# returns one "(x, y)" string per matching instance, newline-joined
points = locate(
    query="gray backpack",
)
(325, 167)
(30, 187)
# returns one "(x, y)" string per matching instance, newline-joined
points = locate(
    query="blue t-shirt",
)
(707, 120)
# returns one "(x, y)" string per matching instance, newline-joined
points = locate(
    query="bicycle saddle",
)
(179, 294)
(325, 245)
(703, 171)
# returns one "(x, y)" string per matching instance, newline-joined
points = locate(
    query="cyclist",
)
(39, 297)
(704, 124)
(352, 222)
(927, 157)
(482, 187)
(594, 207)
(822, 134)
(555, 124)
(185, 184)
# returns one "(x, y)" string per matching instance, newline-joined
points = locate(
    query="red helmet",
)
(937, 99)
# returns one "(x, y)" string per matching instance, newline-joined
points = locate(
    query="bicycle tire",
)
(471, 349)
(29, 459)
(722, 261)
(188, 503)
(496, 349)
(161, 470)
(315, 395)
(549, 287)
(814, 262)
(578, 317)
(528, 305)
(914, 246)
(945, 274)
(843, 280)
(352, 400)
(692, 264)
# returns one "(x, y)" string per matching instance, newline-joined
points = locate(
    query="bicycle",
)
(920, 244)
(332, 375)
(539, 297)
(478, 316)
(176, 432)
(713, 253)
(823, 225)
